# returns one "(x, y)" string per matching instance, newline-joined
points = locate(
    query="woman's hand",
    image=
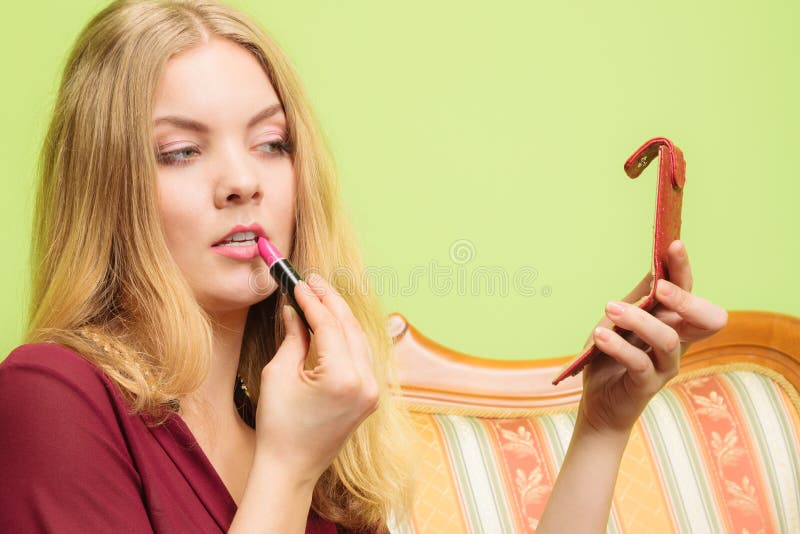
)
(617, 389)
(305, 416)
(617, 386)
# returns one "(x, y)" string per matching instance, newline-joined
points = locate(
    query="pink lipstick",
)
(283, 272)
(240, 242)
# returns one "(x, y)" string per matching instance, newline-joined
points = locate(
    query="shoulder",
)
(49, 362)
(64, 447)
(50, 354)
(51, 396)
(44, 381)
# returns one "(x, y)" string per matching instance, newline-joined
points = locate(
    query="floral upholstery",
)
(716, 451)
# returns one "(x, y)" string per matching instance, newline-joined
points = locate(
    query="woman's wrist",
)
(297, 478)
(585, 430)
(277, 498)
(598, 424)
(581, 497)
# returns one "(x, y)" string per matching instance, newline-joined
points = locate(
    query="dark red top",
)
(73, 460)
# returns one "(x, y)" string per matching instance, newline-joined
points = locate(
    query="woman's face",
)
(222, 163)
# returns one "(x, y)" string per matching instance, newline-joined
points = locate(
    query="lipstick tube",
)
(283, 272)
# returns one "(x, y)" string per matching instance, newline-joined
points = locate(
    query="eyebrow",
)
(190, 124)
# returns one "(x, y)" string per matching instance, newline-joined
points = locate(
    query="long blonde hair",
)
(100, 262)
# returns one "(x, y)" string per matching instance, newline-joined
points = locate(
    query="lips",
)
(254, 227)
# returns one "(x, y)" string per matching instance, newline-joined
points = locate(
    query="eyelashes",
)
(173, 158)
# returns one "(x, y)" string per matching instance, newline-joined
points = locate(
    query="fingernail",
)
(601, 333)
(615, 308)
(314, 278)
(665, 288)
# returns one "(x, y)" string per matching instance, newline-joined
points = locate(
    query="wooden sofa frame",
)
(432, 375)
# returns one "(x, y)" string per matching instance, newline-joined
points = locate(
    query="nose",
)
(238, 184)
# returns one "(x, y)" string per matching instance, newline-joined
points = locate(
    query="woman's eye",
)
(172, 158)
(277, 147)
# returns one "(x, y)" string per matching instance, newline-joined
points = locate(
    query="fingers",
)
(296, 332)
(677, 266)
(334, 363)
(296, 340)
(680, 273)
(665, 340)
(642, 289)
(338, 306)
(637, 363)
(358, 348)
(604, 322)
(688, 332)
(356, 337)
(703, 317)
(294, 348)
(318, 315)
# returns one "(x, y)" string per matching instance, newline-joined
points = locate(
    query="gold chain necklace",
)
(242, 386)
(88, 334)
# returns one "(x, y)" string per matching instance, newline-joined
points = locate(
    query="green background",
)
(499, 130)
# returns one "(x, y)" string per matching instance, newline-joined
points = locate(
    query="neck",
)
(217, 389)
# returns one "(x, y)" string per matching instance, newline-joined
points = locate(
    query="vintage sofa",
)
(718, 450)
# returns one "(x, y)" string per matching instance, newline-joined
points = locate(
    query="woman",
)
(179, 124)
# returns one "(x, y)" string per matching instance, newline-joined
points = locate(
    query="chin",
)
(234, 297)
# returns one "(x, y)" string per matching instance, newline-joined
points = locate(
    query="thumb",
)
(294, 347)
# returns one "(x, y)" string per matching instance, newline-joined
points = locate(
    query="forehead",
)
(217, 79)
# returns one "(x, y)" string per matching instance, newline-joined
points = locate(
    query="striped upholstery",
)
(715, 451)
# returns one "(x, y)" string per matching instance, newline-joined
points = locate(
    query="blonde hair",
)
(104, 282)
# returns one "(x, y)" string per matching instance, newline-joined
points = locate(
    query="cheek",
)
(291, 198)
(281, 196)
(179, 210)
(290, 205)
